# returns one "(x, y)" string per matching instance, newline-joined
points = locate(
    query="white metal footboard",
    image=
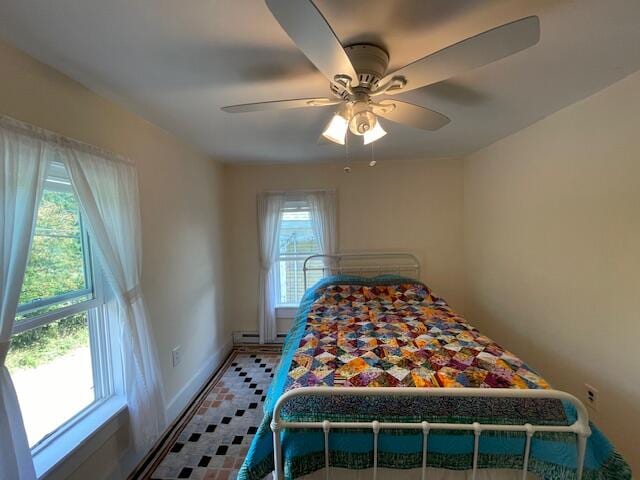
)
(580, 428)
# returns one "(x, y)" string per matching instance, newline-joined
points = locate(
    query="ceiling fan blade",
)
(471, 53)
(281, 105)
(413, 115)
(309, 30)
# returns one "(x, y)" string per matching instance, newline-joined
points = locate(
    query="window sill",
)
(286, 311)
(103, 420)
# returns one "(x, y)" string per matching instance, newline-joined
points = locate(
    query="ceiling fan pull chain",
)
(347, 168)
(373, 162)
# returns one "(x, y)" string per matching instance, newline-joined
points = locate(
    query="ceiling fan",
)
(358, 77)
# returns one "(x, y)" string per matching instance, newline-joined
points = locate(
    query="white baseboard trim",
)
(193, 386)
(243, 338)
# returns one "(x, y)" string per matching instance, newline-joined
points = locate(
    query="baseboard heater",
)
(254, 337)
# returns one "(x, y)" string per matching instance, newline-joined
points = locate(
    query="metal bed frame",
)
(363, 264)
(379, 263)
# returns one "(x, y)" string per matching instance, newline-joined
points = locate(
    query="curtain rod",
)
(57, 140)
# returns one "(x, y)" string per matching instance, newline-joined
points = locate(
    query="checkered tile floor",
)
(213, 443)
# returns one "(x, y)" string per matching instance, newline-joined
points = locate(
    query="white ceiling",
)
(176, 62)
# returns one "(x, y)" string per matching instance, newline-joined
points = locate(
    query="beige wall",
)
(413, 206)
(552, 251)
(181, 207)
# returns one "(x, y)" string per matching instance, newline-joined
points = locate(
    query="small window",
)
(297, 242)
(58, 358)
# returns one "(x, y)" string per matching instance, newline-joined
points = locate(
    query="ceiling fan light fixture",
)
(376, 133)
(336, 130)
(362, 118)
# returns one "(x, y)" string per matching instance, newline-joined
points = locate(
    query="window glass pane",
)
(296, 233)
(51, 370)
(56, 261)
(296, 242)
(292, 279)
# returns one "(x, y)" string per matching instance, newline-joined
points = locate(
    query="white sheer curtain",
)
(269, 212)
(107, 191)
(23, 165)
(324, 222)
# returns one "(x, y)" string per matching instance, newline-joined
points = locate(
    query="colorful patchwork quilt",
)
(394, 332)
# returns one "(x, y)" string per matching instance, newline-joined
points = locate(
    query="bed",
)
(380, 378)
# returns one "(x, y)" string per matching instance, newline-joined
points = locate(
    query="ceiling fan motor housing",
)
(370, 63)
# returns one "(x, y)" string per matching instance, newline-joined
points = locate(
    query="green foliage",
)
(56, 260)
(56, 266)
(43, 344)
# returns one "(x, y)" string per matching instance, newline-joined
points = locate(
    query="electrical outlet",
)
(176, 356)
(591, 395)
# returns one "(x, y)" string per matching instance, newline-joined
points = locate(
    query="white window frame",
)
(287, 310)
(106, 361)
(93, 288)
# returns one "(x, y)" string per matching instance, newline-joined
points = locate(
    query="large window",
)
(297, 241)
(59, 357)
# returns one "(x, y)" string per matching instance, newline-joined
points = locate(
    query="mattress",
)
(394, 332)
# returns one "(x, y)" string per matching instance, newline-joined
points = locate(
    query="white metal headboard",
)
(364, 264)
